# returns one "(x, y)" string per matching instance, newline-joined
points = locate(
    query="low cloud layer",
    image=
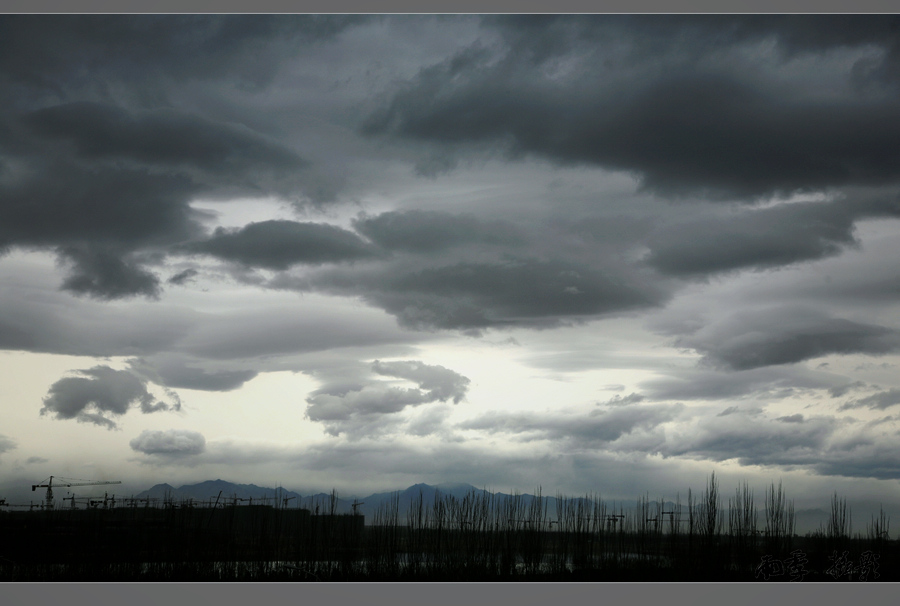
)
(763, 238)
(355, 402)
(437, 382)
(6, 444)
(281, 244)
(763, 383)
(752, 439)
(169, 444)
(776, 336)
(598, 428)
(746, 435)
(515, 292)
(424, 231)
(183, 277)
(824, 445)
(106, 274)
(176, 372)
(102, 392)
(879, 401)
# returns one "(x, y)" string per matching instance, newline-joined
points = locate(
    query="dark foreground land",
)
(453, 540)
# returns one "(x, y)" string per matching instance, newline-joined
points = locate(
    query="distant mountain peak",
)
(453, 486)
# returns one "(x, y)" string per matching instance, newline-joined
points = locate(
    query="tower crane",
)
(48, 484)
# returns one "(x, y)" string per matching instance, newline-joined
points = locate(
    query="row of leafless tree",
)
(482, 535)
(479, 536)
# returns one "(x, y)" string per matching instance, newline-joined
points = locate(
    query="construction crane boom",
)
(48, 484)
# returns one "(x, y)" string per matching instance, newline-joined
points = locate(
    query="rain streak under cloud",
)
(598, 252)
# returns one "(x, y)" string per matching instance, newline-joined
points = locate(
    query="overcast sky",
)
(587, 253)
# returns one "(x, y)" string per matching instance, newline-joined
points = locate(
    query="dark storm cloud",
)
(127, 179)
(183, 277)
(598, 427)
(618, 400)
(103, 274)
(52, 322)
(786, 335)
(515, 292)
(725, 127)
(865, 279)
(185, 348)
(753, 440)
(762, 238)
(37, 460)
(265, 331)
(356, 404)
(171, 371)
(170, 444)
(874, 461)
(6, 444)
(51, 203)
(280, 244)
(706, 383)
(164, 138)
(124, 184)
(807, 33)
(424, 231)
(822, 445)
(840, 390)
(878, 401)
(193, 378)
(95, 217)
(541, 37)
(99, 162)
(103, 390)
(53, 53)
(798, 418)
